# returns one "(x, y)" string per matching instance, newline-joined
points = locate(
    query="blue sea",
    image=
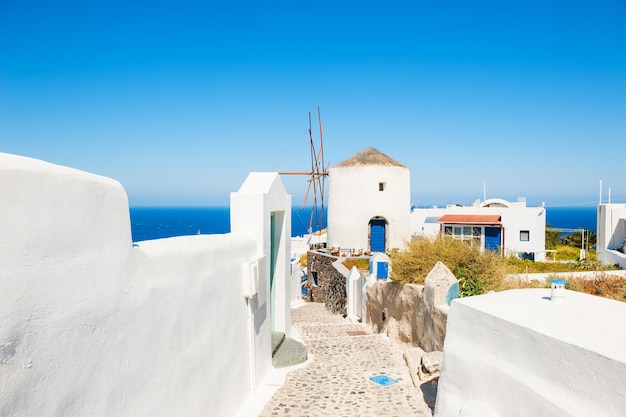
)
(159, 222)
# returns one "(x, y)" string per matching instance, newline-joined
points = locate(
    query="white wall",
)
(354, 199)
(517, 353)
(261, 197)
(94, 326)
(611, 234)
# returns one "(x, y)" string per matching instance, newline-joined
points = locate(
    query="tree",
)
(575, 239)
(553, 238)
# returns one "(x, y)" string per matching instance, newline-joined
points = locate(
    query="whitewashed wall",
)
(354, 199)
(93, 326)
(517, 353)
(611, 234)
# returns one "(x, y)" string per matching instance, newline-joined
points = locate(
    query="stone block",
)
(437, 285)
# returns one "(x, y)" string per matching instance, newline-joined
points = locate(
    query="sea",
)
(160, 222)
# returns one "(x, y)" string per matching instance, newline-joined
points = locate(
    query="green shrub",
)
(480, 271)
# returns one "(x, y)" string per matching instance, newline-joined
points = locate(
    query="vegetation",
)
(477, 271)
(553, 238)
(603, 285)
(303, 260)
(360, 263)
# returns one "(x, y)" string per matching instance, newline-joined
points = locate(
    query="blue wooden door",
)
(382, 270)
(493, 238)
(377, 235)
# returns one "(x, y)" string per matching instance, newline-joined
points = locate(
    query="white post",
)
(600, 192)
(484, 190)
(354, 294)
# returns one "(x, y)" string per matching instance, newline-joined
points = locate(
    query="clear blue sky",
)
(180, 100)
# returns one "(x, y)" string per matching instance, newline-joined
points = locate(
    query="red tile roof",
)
(471, 218)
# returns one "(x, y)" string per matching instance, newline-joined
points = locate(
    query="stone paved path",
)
(337, 381)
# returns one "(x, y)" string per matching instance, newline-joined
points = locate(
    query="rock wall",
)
(400, 312)
(326, 284)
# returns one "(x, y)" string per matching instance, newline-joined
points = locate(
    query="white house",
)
(369, 199)
(611, 235)
(494, 224)
(94, 325)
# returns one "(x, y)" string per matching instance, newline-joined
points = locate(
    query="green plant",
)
(469, 284)
(553, 238)
(482, 270)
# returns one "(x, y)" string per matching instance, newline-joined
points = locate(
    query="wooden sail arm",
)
(304, 173)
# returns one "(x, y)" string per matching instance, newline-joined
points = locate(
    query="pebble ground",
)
(337, 381)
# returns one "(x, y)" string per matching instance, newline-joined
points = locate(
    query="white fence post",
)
(354, 294)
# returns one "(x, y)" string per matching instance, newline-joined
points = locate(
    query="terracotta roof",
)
(369, 157)
(471, 218)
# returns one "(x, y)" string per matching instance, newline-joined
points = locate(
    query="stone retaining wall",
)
(399, 311)
(326, 284)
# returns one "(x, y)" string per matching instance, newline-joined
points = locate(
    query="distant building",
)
(494, 224)
(369, 203)
(611, 236)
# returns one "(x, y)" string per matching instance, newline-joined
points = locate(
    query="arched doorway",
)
(377, 235)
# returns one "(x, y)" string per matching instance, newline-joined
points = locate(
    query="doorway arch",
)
(377, 234)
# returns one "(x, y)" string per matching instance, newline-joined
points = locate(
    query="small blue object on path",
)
(383, 380)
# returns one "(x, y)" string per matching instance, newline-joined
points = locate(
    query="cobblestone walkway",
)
(337, 381)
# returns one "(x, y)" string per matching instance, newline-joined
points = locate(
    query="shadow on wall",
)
(412, 314)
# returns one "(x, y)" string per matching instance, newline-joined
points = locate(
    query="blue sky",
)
(180, 100)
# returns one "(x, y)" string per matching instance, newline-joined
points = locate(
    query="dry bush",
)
(516, 283)
(603, 285)
(360, 263)
(478, 271)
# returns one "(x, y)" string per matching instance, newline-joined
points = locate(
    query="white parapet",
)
(516, 353)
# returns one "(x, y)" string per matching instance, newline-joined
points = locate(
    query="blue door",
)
(382, 270)
(493, 238)
(377, 235)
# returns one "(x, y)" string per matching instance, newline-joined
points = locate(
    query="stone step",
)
(277, 339)
(288, 353)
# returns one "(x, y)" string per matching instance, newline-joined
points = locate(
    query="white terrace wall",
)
(517, 353)
(611, 236)
(92, 326)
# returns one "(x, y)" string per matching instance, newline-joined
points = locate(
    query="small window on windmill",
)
(381, 186)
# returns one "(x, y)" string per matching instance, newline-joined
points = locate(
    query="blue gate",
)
(377, 235)
(493, 238)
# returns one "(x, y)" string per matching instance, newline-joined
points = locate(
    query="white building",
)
(94, 325)
(369, 203)
(494, 224)
(611, 236)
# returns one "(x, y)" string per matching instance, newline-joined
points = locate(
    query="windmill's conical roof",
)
(369, 157)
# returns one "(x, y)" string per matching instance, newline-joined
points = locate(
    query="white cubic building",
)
(611, 236)
(369, 203)
(494, 224)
